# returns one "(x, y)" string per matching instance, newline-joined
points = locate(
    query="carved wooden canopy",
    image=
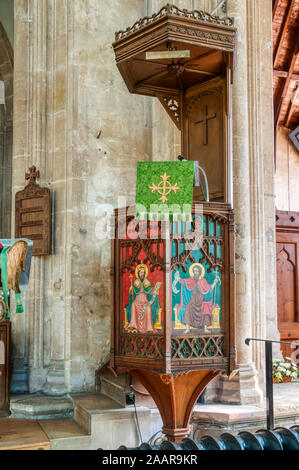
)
(210, 39)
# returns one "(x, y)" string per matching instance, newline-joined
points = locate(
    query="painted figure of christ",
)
(197, 304)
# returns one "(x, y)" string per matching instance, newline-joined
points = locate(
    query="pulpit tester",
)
(173, 312)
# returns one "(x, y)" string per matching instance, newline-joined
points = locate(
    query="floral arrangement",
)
(284, 370)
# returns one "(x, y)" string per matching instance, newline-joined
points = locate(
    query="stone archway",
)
(6, 134)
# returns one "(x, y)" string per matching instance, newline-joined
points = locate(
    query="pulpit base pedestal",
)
(175, 397)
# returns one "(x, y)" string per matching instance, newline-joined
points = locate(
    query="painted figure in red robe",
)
(197, 304)
(143, 308)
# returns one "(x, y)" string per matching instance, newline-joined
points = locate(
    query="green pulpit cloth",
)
(164, 188)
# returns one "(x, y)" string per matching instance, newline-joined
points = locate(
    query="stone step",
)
(110, 424)
(115, 387)
(98, 421)
(66, 434)
(40, 407)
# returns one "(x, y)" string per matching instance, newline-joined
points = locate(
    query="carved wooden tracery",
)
(152, 349)
(152, 256)
(173, 10)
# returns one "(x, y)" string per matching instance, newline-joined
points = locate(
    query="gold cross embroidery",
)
(164, 188)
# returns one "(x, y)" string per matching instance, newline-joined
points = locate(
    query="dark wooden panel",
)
(5, 337)
(286, 282)
(33, 215)
(204, 137)
(287, 257)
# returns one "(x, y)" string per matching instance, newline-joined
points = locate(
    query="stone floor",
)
(96, 421)
(38, 406)
(92, 421)
(215, 419)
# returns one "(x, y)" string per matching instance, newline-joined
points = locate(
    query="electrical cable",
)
(137, 422)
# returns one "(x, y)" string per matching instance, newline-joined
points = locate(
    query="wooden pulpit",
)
(173, 308)
(173, 324)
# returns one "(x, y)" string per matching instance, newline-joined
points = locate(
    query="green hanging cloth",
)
(4, 277)
(19, 304)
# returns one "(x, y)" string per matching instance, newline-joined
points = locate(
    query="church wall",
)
(287, 172)
(111, 133)
(80, 126)
(77, 122)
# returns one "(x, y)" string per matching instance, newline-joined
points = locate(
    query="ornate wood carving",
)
(33, 214)
(287, 258)
(193, 90)
(175, 397)
(173, 10)
(203, 34)
(172, 105)
(185, 350)
(5, 339)
(153, 258)
(173, 314)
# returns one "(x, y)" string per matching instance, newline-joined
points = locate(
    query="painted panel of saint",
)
(197, 299)
(143, 310)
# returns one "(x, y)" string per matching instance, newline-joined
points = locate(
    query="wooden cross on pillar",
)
(205, 121)
(33, 175)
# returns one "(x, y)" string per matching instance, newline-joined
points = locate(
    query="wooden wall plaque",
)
(33, 214)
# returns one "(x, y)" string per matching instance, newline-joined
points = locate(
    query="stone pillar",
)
(20, 164)
(243, 388)
(253, 160)
(76, 122)
(262, 171)
(39, 111)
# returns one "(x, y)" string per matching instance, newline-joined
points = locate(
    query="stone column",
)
(243, 388)
(261, 148)
(40, 120)
(253, 158)
(77, 122)
(20, 164)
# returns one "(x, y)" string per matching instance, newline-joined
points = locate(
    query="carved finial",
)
(32, 176)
